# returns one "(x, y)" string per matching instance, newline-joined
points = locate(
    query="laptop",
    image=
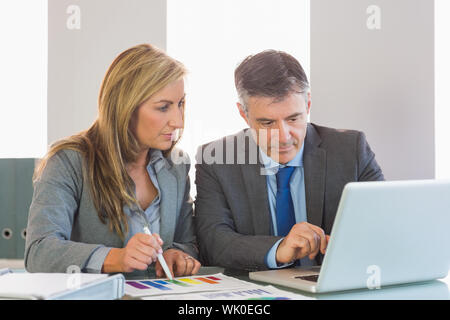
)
(385, 233)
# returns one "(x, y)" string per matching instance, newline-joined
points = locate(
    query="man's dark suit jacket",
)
(232, 215)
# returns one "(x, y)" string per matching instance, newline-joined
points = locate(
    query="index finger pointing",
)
(323, 238)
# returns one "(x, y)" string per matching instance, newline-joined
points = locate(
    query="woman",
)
(94, 192)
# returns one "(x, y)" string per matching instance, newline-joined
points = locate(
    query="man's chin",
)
(284, 160)
(283, 157)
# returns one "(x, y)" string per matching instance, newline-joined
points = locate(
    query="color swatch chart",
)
(215, 282)
(255, 293)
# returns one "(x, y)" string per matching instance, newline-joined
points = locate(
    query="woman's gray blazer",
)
(64, 228)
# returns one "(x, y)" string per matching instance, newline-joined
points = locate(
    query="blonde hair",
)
(109, 144)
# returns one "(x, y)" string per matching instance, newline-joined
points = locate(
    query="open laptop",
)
(385, 233)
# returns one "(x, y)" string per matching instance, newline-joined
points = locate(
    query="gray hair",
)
(269, 74)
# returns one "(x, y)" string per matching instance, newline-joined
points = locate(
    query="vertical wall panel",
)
(84, 38)
(372, 69)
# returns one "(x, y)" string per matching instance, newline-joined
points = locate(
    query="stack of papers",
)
(43, 285)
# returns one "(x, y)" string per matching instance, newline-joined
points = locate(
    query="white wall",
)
(83, 41)
(374, 71)
(442, 69)
(211, 38)
(23, 78)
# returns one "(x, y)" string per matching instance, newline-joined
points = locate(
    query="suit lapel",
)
(168, 207)
(314, 161)
(256, 188)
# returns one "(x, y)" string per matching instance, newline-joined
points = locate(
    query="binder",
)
(60, 286)
(7, 209)
(24, 195)
(16, 192)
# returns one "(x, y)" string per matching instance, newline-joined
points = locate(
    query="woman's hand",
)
(140, 251)
(179, 263)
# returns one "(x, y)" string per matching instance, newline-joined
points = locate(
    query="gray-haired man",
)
(279, 209)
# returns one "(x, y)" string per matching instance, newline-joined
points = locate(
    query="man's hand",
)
(179, 263)
(303, 240)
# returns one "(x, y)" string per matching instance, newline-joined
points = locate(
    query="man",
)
(267, 196)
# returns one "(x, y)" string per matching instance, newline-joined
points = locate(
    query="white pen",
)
(160, 258)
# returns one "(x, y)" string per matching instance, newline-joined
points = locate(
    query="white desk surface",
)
(439, 289)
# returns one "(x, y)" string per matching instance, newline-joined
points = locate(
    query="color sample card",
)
(193, 284)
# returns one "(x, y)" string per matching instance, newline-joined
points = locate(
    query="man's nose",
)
(284, 133)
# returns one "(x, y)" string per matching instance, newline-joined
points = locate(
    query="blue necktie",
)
(285, 207)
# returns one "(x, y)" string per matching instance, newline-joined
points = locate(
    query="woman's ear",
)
(133, 121)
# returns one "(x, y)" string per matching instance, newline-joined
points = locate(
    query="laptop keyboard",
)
(313, 278)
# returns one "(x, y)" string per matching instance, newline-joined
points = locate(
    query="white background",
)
(442, 76)
(210, 38)
(23, 78)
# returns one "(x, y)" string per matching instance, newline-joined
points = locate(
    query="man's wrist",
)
(278, 255)
(271, 260)
(280, 261)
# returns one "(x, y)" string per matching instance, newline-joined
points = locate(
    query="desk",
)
(431, 290)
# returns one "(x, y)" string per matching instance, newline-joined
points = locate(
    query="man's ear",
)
(309, 103)
(242, 112)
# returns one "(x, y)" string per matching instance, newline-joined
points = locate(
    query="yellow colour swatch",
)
(190, 281)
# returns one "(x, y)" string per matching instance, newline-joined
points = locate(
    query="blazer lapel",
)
(314, 161)
(256, 187)
(168, 206)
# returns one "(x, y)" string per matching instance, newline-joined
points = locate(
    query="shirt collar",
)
(156, 160)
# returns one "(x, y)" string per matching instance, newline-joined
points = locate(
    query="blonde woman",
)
(94, 192)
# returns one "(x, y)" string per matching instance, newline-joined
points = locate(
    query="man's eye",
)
(267, 123)
(181, 104)
(293, 119)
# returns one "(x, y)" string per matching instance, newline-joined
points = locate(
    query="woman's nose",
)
(176, 120)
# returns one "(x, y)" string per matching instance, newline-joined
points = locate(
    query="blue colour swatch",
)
(155, 285)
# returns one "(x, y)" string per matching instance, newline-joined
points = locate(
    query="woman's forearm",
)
(112, 261)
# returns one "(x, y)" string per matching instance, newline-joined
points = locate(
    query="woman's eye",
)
(164, 108)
